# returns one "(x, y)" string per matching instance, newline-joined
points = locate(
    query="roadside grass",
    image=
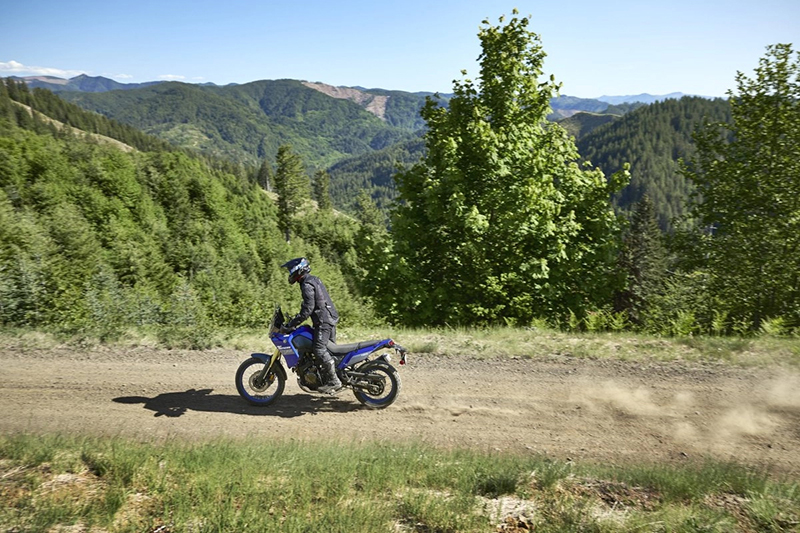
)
(107, 484)
(534, 342)
(537, 343)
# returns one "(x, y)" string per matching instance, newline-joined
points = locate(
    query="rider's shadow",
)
(175, 404)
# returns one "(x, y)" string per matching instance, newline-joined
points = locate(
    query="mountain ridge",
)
(644, 98)
(86, 83)
(361, 136)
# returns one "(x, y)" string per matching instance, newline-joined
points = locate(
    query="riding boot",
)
(332, 382)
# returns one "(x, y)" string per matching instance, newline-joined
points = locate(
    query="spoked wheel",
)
(256, 388)
(379, 388)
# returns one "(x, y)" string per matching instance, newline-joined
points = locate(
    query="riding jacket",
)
(317, 304)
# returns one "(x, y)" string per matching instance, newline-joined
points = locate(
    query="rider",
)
(317, 304)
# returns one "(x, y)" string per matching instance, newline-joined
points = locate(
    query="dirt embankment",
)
(375, 104)
(567, 408)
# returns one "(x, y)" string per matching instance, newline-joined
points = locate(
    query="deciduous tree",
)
(499, 222)
(747, 204)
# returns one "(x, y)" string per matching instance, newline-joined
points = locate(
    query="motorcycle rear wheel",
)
(383, 390)
(260, 393)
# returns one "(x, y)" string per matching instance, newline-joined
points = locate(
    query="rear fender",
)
(383, 358)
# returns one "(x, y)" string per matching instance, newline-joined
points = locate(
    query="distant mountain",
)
(363, 135)
(82, 83)
(373, 100)
(565, 106)
(643, 98)
(248, 123)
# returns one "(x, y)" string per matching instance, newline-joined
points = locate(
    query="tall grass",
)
(109, 484)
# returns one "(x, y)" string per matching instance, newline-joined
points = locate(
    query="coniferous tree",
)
(367, 213)
(6, 107)
(264, 176)
(653, 139)
(322, 192)
(643, 260)
(372, 244)
(292, 187)
(13, 89)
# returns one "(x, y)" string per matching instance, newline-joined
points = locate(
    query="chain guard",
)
(373, 384)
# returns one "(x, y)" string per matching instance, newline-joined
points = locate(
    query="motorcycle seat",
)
(342, 349)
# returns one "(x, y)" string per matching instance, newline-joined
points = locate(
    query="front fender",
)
(268, 360)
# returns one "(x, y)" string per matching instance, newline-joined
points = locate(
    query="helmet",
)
(297, 269)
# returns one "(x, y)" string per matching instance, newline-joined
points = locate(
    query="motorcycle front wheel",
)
(258, 389)
(380, 387)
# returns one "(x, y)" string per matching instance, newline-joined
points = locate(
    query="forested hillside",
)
(652, 139)
(502, 217)
(361, 136)
(247, 123)
(95, 240)
(581, 124)
(374, 173)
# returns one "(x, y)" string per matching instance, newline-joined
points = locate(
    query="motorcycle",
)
(261, 379)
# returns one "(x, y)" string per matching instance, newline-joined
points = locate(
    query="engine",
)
(307, 375)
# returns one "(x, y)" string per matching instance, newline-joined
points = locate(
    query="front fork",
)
(263, 375)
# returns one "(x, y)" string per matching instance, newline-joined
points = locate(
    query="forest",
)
(675, 218)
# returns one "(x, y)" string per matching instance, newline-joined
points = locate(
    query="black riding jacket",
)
(317, 304)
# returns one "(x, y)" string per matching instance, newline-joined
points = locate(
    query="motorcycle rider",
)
(318, 305)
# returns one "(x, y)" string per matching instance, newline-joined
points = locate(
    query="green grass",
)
(544, 342)
(539, 342)
(98, 484)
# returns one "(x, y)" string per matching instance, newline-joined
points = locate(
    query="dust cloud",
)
(754, 415)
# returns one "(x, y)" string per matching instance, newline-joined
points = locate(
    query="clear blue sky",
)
(616, 47)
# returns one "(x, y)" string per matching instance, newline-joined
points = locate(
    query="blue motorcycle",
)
(261, 379)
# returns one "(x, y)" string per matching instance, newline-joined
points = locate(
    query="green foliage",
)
(643, 260)
(292, 187)
(248, 123)
(682, 305)
(498, 222)
(581, 124)
(652, 139)
(322, 190)
(603, 320)
(367, 488)
(95, 241)
(775, 327)
(747, 203)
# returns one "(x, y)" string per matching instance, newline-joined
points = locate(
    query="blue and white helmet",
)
(297, 269)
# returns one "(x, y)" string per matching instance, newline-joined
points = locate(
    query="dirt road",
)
(579, 409)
